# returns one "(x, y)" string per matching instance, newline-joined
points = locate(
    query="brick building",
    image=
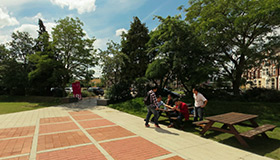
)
(267, 75)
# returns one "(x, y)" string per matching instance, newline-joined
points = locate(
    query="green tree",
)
(133, 44)
(21, 47)
(180, 55)
(73, 49)
(235, 30)
(47, 69)
(112, 60)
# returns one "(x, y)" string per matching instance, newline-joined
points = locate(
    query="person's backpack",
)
(147, 99)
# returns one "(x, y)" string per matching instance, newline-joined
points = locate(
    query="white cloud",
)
(119, 32)
(35, 18)
(14, 2)
(81, 5)
(5, 39)
(101, 43)
(6, 19)
(30, 28)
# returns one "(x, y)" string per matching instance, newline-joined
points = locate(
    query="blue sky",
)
(103, 19)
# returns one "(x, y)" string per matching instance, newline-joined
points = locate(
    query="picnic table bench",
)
(229, 120)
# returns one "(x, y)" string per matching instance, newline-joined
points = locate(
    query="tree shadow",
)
(258, 145)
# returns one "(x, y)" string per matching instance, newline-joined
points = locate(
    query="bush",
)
(118, 93)
(262, 94)
(86, 93)
(141, 87)
(134, 105)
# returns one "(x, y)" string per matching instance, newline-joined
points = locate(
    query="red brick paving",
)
(19, 158)
(80, 112)
(89, 152)
(86, 116)
(61, 140)
(174, 158)
(17, 132)
(133, 148)
(54, 120)
(95, 123)
(15, 146)
(106, 133)
(49, 128)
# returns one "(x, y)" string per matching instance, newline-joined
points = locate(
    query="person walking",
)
(152, 107)
(199, 104)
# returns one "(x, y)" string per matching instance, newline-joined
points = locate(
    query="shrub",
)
(86, 93)
(262, 94)
(118, 93)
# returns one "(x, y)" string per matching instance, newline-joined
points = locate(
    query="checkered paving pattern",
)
(86, 116)
(19, 158)
(174, 158)
(95, 123)
(15, 146)
(80, 112)
(106, 133)
(89, 152)
(58, 140)
(16, 132)
(54, 120)
(126, 149)
(49, 128)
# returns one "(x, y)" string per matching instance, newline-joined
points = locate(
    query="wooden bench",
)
(198, 123)
(259, 130)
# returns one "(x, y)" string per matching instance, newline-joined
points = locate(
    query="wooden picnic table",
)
(229, 120)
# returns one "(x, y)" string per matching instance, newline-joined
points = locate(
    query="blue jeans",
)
(198, 112)
(152, 110)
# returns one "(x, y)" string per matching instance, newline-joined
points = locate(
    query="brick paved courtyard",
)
(66, 138)
(85, 131)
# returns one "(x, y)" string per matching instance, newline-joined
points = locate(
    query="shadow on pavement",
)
(87, 103)
(161, 130)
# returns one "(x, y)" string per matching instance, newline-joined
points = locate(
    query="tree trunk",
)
(239, 71)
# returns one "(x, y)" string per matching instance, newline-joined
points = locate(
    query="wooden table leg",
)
(224, 126)
(208, 125)
(254, 123)
(237, 136)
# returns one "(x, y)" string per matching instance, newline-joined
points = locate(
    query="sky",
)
(103, 19)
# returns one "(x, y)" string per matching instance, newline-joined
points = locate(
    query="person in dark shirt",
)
(181, 112)
(152, 108)
(169, 100)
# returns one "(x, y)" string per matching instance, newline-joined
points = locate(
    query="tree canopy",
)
(234, 30)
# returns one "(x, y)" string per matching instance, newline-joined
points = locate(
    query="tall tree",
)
(112, 60)
(235, 30)
(73, 49)
(179, 54)
(133, 44)
(47, 69)
(21, 47)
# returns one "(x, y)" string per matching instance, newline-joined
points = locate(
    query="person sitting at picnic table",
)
(169, 100)
(181, 112)
(159, 104)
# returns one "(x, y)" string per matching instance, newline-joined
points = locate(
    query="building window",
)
(274, 71)
(267, 83)
(272, 83)
(260, 83)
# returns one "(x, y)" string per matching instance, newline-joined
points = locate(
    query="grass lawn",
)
(11, 104)
(269, 113)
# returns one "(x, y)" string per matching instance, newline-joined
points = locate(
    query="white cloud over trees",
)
(82, 6)
(6, 19)
(119, 32)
